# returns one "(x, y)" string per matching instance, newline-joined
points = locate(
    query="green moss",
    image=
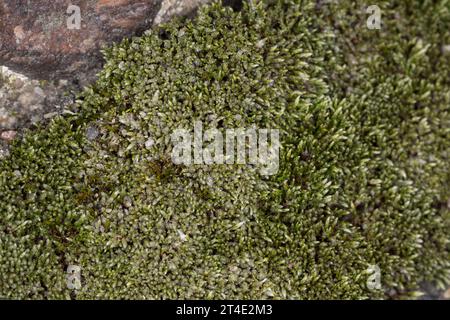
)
(363, 178)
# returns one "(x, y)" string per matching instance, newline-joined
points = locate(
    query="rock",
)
(41, 38)
(62, 83)
(446, 294)
(36, 118)
(38, 91)
(170, 8)
(26, 98)
(431, 292)
(18, 84)
(6, 119)
(23, 101)
(8, 135)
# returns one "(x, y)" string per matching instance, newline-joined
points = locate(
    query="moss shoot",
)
(363, 175)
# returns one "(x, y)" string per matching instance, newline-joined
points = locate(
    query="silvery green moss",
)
(364, 173)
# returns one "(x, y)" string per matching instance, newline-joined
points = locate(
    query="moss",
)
(363, 179)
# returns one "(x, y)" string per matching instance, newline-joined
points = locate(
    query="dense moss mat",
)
(363, 179)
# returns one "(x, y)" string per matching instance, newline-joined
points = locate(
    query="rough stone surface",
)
(8, 135)
(35, 38)
(25, 102)
(171, 8)
(431, 292)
